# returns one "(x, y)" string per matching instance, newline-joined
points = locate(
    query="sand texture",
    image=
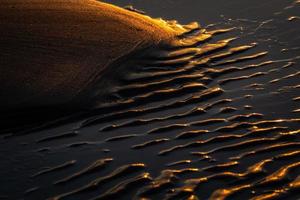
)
(214, 113)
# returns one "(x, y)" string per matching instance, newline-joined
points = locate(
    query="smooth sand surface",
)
(51, 50)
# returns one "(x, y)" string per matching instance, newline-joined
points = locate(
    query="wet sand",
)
(213, 115)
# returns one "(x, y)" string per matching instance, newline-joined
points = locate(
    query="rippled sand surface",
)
(213, 115)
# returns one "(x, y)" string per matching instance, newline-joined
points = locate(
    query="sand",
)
(52, 51)
(212, 115)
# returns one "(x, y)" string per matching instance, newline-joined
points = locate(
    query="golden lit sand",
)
(51, 49)
(212, 114)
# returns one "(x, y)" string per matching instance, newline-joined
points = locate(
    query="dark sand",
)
(214, 115)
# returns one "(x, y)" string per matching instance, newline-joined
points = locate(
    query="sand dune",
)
(52, 52)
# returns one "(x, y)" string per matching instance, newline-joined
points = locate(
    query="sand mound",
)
(51, 50)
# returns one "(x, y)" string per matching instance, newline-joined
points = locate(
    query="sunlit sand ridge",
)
(207, 113)
(53, 52)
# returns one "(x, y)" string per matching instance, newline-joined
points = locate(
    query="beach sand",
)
(211, 114)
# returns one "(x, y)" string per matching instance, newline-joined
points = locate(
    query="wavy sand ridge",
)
(212, 115)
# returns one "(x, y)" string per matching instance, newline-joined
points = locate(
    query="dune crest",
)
(52, 51)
